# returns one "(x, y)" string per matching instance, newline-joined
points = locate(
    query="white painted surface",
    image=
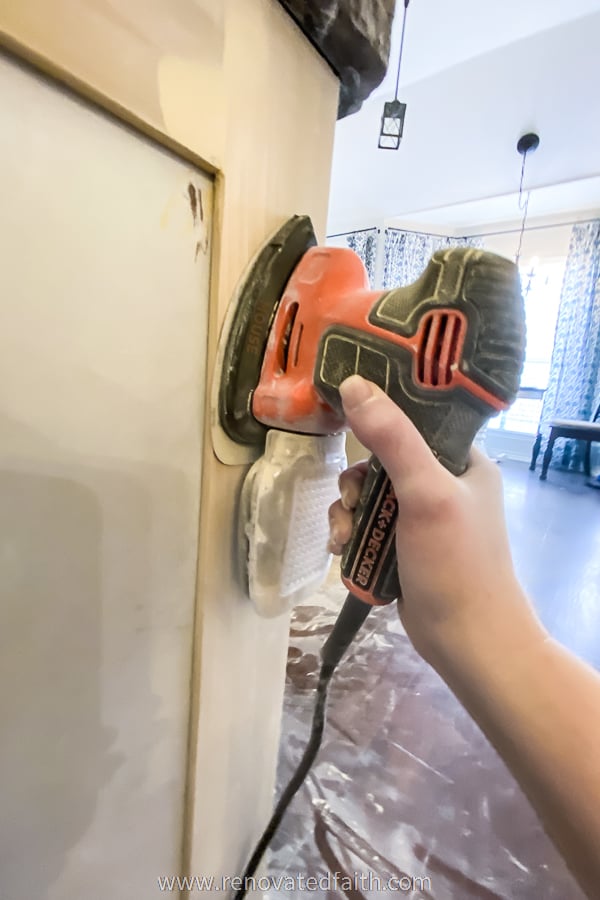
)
(574, 200)
(476, 75)
(440, 34)
(546, 244)
(104, 286)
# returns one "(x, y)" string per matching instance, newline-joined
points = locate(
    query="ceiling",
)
(476, 74)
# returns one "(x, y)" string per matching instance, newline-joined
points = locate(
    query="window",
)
(542, 283)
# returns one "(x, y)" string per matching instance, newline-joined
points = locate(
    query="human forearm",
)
(466, 614)
(539, 706)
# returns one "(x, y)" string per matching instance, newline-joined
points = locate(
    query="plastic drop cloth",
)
(405, 785)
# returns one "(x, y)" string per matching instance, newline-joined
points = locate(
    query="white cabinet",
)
(104, 275)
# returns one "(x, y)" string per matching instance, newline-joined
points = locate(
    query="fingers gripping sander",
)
(448, 349)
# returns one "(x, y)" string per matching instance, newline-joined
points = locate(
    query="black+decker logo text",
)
(375, 543)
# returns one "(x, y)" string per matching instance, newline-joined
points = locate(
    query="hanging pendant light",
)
(527, 143)
(392, 120)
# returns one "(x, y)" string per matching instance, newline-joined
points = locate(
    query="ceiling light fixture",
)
(527, 143)
(392, 120)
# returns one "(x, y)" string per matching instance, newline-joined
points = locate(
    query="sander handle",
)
(369, 562)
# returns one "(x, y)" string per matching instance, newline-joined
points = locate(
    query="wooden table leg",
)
(535, 451)
(548, 455)
(587, 459)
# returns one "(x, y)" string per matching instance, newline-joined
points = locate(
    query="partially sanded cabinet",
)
(104, 287)
(140, 691)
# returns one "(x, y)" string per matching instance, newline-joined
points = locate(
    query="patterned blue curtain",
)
(407, 253)
(364, 244)
(574, 382)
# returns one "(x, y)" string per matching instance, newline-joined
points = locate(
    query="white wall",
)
(545, 243)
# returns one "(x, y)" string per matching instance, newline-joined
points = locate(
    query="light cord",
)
(406, 2)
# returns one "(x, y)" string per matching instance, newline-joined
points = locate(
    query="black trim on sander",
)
(258, 301)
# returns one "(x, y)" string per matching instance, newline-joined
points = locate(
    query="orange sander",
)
(448, 349)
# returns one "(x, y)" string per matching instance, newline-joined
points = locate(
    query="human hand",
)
(467, 615)
(460, 594)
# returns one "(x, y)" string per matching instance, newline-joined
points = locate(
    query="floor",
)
(406, 786)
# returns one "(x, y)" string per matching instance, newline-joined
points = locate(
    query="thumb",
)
(382, 427)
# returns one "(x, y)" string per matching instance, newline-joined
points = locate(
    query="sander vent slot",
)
(439, 347)
(422, 350)
(297, 347)
(284, 347)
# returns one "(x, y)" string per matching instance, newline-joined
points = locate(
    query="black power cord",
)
(351, 616)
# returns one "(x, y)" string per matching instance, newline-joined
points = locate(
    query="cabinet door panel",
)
(104, 276)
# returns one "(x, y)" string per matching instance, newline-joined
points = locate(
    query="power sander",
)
(448, 349)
